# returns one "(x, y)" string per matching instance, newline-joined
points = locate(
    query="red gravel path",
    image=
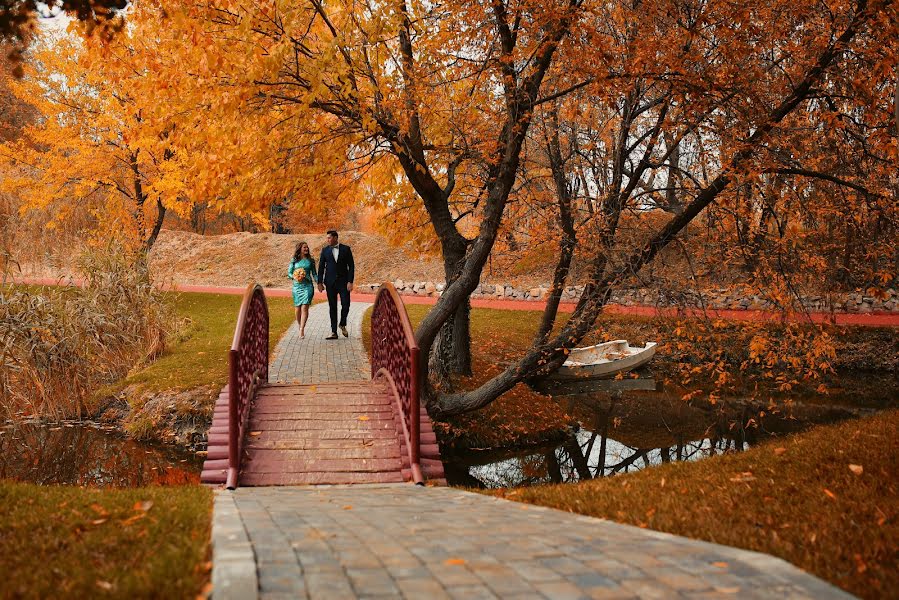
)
(873, 319)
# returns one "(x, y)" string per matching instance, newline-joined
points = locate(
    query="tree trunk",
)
(451, 351)
(568, 241)
(157, 227)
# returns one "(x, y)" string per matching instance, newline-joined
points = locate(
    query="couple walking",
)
(335, 275)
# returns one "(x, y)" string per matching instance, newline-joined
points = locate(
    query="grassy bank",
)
(826, 500)
(174, 395)
(61, 541)
(198, 355)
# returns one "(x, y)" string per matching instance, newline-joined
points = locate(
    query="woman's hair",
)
(297, 253)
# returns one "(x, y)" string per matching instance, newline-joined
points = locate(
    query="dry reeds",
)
(58, 344)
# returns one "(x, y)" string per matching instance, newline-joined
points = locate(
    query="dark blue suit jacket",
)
(342, 271)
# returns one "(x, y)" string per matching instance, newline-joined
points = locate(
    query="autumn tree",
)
(446, 92)
(723, 107)
(99, 145)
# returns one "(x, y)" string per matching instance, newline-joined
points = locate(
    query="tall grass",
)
(58, 344)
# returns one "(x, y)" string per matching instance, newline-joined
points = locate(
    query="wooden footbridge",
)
(374, 431)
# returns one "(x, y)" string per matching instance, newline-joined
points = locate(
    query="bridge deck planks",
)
(322, 434)
(314, 434)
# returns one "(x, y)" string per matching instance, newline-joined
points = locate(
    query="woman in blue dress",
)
(302, 272)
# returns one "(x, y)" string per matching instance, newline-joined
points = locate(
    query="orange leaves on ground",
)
(454, 561)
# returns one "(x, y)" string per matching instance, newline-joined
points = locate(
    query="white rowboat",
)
(604, 360)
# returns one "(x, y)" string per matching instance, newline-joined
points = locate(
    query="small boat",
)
(604, 360)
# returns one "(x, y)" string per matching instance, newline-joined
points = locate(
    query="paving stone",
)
(372, 582)
(560, 590)
(421, 588)
(470, 592)
(280, 581)
(592, 580)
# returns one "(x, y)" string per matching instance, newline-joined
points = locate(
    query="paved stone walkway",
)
(314, 359)
(405, 541)
(391, 541)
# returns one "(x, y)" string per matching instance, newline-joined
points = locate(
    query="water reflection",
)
(89, 455)
(629, 425)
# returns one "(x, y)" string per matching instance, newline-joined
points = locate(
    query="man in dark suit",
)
(337, 269)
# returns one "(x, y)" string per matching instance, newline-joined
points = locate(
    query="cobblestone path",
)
(314, 359)
(405, 541)
(392, 541)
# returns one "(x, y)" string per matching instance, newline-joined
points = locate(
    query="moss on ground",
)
(60, 541)
(826, 500)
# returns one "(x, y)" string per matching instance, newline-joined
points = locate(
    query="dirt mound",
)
(236, 259)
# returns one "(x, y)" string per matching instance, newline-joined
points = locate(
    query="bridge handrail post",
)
(247, 367)
(395, 355)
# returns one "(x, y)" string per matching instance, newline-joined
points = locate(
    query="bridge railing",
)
(394, 355)
(248, 368)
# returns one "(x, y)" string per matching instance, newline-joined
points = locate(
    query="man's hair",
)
(333, 232)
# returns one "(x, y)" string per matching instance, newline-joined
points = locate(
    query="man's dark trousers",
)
(338, 288)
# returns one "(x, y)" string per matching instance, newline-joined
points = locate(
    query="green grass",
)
(195, 363)
(801, 498)
(198, 356)
(60, 541)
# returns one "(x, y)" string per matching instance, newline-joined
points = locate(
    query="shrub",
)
(58, 344)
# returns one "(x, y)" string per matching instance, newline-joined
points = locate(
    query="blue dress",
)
(302, 290)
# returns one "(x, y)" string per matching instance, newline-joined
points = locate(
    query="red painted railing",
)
(394, 356)
(248, 368)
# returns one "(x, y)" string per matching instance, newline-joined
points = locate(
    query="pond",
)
(632, 424)
(89, 454)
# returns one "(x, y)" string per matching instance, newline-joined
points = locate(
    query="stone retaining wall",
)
(853, 302)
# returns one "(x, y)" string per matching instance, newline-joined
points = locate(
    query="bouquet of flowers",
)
(299, 275)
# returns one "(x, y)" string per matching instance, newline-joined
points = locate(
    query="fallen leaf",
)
(780, 450)
(144, 506)
(99, 510)
(721, 564)
(454, 561)
(104, 585)
(348, 507)
(744, 476)
(727, 590)
(857, 469)
(98, 521)
(255, 433)
(662, 482)
(363, 418)
(135, 518)
(830, 494)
